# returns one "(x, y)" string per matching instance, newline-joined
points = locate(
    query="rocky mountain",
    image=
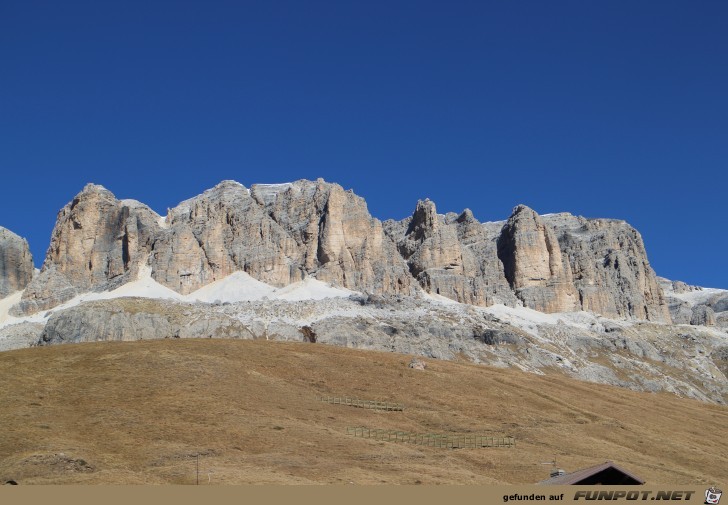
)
(534, 265)
(452, 256)
(280, 234)
(695, 305)
(16, 263)
(556, 263)
(609, 267)
(97, 243)
(306, 261)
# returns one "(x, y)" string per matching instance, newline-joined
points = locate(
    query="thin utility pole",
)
(198, 468)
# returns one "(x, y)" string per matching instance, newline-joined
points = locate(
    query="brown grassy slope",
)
(138, 412)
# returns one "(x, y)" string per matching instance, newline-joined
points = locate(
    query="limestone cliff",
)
(16, 263)
(282, 233)
(695, 305)
(342, 243)
(609, 267)
(278, 234)
(534, 266)
(453, 256)
(98, 243)
(556, 263)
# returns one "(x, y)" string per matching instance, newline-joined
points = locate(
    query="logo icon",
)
(712, 496)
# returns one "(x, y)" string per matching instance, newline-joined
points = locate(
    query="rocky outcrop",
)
(695, 305)
(680, 311)
(215, 234)
(555, 263)
(702, 315)
(279, 234)
(138, 319)
(681, 287)
(720, 358)
(16, 263)
(283, 233)
(98, 243)
(20, 335)
(533, 264)
(609, 267)
(453, 256)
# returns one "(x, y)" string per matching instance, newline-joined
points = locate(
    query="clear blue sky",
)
(604, 109)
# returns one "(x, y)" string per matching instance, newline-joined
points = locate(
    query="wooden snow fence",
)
(445, 441)
(363, 404)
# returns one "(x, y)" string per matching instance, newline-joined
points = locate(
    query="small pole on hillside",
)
(198, 468)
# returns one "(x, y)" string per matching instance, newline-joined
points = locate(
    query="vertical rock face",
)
(552, 263)
(680, 311)
(533, 263)
(453, 256)
(433, 252)
(16, 263)
(336, 238)
(211, 236)
(694, 304)
(278, 234)
(702, 315)
(281, 233)
(609, 266)
(98, 243)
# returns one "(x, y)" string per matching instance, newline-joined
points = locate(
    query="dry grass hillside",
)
(139, 412)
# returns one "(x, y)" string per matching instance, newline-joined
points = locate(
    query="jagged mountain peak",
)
(91, 187)
(318, 229)
(466, 216)
(314, 234)
(522, 209)
(281, 233)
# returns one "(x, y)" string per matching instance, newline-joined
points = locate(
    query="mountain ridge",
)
(305, 261)
(282, 233)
